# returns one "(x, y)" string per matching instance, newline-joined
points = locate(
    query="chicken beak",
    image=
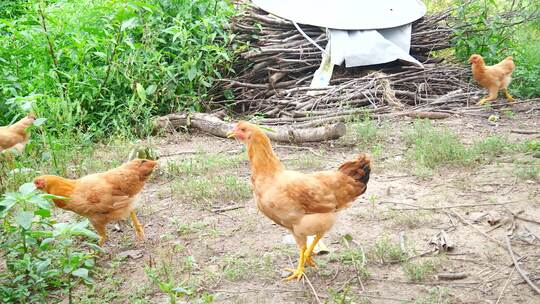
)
(231, 134)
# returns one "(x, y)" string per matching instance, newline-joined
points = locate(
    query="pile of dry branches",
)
(279, 63)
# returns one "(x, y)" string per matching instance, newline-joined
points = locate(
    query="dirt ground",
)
(208, 240)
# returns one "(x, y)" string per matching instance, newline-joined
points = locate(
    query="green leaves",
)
(27, 188)
(24, 219)
(128, 24)
(41, 253)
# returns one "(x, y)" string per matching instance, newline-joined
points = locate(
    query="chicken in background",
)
(305, 204)
(102, 197)
(494, 78)
(16, 136)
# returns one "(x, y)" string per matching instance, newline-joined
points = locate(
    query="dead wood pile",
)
(279, 63)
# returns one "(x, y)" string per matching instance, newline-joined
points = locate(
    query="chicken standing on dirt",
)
(102, 197)
(494, 78)
(16, 135)
(305, 204)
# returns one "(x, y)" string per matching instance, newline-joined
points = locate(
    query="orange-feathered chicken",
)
(16, 135)
(494, 78)
(305, 204)
(102, 197)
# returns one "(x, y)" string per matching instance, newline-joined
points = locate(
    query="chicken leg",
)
(309, 251)
(138, 226)
(508, 96)
(102, 231)
(299, 271)
(493, 92)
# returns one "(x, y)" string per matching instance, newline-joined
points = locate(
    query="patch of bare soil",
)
(213, 245)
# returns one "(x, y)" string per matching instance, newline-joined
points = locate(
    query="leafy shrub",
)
(109, 65)
(41, 256)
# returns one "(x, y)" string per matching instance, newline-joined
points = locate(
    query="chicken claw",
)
(482, 101)
(299, 271)
(297, 274)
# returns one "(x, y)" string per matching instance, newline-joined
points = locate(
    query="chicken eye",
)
(243, 129)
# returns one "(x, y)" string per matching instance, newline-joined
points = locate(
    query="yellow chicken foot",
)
(482, 101)
(299, 271)
(102, 239)
(138, 227)
(508, 96)
(309, 251)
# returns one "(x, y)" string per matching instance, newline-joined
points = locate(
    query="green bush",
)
(109, 65)
(41, 256)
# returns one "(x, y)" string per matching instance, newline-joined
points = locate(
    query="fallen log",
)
(212, 124)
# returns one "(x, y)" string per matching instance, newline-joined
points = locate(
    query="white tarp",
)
(346, 14)
(367, 47)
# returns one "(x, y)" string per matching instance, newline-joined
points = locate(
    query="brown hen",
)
(102, 197)
(305, 204)
(494, 78)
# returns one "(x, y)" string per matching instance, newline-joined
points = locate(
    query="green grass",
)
(430, 147)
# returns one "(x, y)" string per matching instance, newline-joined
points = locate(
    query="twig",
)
(180, 153)
(355, 266)
(448, 207)
(227, 209)
(499, 243)
(301, 148)
(312, 289)
(505, 284)
(521, 131)
(452, 276)
(51, 50)
(518, 268)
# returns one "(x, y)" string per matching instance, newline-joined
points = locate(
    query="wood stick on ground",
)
(518, 268)
(452, 276)
(504, 286)
(447, 207)
(216, 126)
(312, 289)
(227, 209)
(521, 131)
(355, 266)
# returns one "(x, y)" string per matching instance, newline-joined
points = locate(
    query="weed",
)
(235, 268)
(306, 161)
(386, 251)
(366, 131)
(343, 296)
(40, 255)
(419, 271)
(204, 189)
(409, 220)
(430, 147)
(528, 170)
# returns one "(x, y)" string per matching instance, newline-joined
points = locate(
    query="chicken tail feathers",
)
(358, 169)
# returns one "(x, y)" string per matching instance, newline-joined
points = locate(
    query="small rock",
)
(133, 254)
